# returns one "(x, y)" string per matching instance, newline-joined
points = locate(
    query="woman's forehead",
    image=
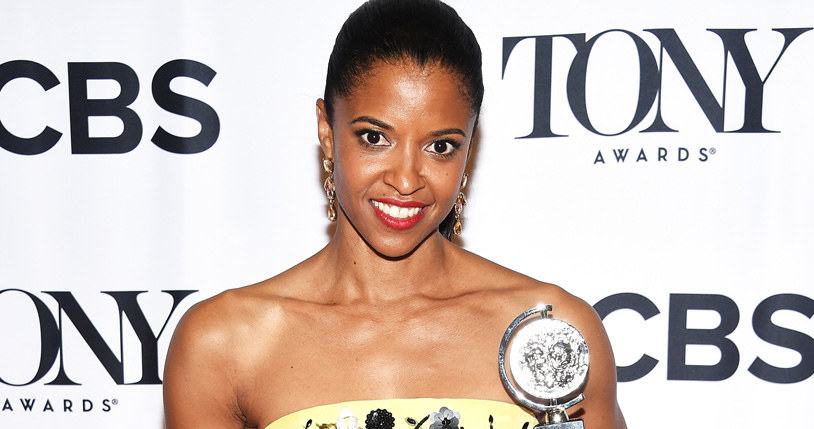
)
(408, 86)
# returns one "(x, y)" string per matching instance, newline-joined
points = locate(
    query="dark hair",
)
(423, 32)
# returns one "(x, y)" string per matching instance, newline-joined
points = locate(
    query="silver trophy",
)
(547, 362)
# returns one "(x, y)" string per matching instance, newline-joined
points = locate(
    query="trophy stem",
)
(558, 419)
(556, 415)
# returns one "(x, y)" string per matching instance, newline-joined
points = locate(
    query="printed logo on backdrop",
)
(651, 65)
(680, 336)
(82, 108)
(53, 351)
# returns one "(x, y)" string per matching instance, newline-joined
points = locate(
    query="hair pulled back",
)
(427, 33)
(423, 32)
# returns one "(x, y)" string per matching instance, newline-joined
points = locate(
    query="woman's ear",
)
(324, 131)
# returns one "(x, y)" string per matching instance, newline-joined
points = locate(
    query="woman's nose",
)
(404, 172)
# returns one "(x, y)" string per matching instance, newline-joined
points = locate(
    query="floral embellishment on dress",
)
(379, 419)
(347, 420)
(444, 419)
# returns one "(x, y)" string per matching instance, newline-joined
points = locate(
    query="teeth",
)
(396, 211)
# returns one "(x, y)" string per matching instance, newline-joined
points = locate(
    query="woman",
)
(390, 309)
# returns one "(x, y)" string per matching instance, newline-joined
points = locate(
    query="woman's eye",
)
(372, 137)
(441, 147)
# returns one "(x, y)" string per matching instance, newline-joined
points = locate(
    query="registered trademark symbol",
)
(712, 151)
(115, 401)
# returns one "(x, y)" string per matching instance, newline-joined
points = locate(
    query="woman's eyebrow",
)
(446, 131)
(372, 121)
(386, 126)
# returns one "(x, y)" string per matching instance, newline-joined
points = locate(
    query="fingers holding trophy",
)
(542, 361)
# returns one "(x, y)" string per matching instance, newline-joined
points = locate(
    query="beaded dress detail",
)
(420, 413)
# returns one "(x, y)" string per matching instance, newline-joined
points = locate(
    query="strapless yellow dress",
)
(419, 413)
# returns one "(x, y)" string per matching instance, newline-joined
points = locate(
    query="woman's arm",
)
(600, 408)
(200, 373)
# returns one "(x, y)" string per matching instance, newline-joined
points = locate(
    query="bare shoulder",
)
(215, 324)
(226, 324)
(216, 347)
(236, 315)
(516, 289)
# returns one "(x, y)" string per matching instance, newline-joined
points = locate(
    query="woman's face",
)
(399, 143)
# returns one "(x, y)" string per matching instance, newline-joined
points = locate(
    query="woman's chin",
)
(396, 248)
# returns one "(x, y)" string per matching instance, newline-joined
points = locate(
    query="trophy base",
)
(571, 424)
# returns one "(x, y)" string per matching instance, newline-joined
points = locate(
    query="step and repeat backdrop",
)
(654, 158)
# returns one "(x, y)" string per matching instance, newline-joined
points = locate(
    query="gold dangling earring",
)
(460, 202)
(328, 165)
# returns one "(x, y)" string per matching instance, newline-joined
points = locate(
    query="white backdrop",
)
(719, 232)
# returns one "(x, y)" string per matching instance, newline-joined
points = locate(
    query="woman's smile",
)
(399, 215)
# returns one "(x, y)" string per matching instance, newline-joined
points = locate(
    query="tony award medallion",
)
(543, 360)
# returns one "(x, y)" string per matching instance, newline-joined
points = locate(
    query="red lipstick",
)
(397, 223)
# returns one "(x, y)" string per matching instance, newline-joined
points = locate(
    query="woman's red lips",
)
(398, 214)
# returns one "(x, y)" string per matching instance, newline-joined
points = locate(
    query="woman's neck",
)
(355, 272)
